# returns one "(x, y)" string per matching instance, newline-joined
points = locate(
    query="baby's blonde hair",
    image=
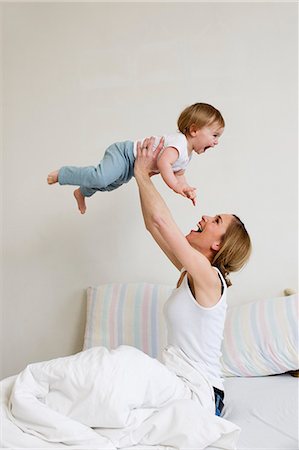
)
(199, 115)
(235, 249)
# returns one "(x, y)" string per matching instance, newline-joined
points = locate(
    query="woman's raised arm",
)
(148, 194)
(158, 219)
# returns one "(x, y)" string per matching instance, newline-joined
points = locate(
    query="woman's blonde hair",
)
(199, 115)
(235, 249)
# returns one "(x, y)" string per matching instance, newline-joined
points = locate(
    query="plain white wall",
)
(77, 77)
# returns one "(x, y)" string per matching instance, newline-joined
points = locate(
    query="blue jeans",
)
(115, 169)
(219, 396)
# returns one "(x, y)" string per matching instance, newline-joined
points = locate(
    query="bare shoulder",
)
(207, 290)
(169, 154)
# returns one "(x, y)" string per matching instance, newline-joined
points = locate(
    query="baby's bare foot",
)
(52, 178)
(80, 200)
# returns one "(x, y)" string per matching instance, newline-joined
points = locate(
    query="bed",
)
(260, 362)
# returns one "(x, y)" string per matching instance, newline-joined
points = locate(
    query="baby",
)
(200, 127)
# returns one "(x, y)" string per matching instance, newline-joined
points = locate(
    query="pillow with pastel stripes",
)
(260, 338)
(128, 314)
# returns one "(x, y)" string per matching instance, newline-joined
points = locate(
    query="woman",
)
(195, 312)
(129, 397)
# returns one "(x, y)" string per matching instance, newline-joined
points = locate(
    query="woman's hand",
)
(146, 158)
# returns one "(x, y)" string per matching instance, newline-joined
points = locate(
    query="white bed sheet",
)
(266, 409)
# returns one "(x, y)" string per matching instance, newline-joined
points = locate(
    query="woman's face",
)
(209, 232)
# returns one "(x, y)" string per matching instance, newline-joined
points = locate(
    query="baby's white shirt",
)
(177, 141)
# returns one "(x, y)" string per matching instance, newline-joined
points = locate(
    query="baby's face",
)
(206, 137)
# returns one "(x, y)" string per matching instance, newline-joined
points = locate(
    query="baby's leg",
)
(115, 168)
(91, 178)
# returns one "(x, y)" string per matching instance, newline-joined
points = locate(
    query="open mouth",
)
(199, 229)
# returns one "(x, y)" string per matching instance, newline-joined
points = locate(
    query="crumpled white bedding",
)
(116, 399)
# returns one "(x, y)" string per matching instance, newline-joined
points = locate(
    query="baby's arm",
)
(187, 190)
(176, 182)
(164, 164)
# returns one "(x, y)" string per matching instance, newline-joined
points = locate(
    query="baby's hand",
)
(191, 194)
(186, 191)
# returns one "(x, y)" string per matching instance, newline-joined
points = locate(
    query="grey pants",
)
(115, 169)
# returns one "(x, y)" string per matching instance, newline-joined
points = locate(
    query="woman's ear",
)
(216, 246)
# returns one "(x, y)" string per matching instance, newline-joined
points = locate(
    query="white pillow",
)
(261, 338)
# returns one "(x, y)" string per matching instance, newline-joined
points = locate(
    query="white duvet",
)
(105, 399)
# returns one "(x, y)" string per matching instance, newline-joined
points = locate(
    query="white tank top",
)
(197, 330)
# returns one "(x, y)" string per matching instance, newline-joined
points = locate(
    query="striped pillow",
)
(130, 314)
(261, 338)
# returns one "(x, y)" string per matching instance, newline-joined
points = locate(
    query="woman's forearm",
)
(153, 206)
(157, 217)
